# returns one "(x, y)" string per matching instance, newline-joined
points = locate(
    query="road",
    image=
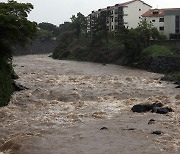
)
(85, 108)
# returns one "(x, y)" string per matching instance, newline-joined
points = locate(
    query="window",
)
(139, 17)
(139, 9)
(175, 36)
(153, 20)
(112, 27)
(120, 10)
(177, 24)
(112, 19)
(161, 19)
(116, 11)
(112, 12)
(161, 28)
(156, 12)
(177, 18)
(116, 19)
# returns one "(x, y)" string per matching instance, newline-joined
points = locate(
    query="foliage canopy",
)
(15, 28)
(79, 24)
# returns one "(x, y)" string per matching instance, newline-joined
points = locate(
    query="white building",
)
(127, 14)
(167, 21)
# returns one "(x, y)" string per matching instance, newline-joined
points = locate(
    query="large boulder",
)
(145, 107)
(155, 108)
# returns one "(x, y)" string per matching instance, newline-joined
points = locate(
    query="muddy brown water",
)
(85, 108)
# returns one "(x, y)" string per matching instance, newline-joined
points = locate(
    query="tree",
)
(44, 34)
(79, 24)
(147, 31)
(49, 27)
(135, 40)
(66, 26)
(15, 28)
(99, 27)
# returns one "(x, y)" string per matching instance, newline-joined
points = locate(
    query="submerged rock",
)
(177, 87)
(18, 87)
(104, 128)
(162, 110)
(14, 76)
(155, 108)
(158, 132)
(145, 107)
(141, 108)
(151, 121)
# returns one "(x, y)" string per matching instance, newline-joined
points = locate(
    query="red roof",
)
(157, 12)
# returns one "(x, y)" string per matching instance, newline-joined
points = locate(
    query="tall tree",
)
(49, 27)
(15, 28)
(79, 24)
(99, 27)
(147, 31)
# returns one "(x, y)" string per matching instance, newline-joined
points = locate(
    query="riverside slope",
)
(85, 108)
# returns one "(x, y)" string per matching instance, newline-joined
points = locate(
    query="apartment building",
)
(167, 21)
(128, 14)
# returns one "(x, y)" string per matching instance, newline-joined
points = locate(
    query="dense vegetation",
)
(14, 29)
(130, 47)
(123, 46)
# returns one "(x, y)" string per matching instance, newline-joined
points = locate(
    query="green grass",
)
(175, 74)
(157, 50)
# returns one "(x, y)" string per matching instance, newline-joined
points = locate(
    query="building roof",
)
(129, 2)
(124, 4)
(158, 12)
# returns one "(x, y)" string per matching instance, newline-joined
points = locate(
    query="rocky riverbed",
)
(85, 108)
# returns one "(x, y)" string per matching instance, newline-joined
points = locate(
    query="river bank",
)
(81, 107)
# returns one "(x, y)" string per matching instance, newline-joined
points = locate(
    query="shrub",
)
(6, 88)
(157, 50)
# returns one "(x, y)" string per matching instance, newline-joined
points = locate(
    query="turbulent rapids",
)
(85, 108)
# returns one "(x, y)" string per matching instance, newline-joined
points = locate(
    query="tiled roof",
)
(125, 4)
(129, 2)
(160, 13)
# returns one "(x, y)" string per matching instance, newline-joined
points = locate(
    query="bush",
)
(176, 75)
(6, 87)
(86, 50)
(157, 50)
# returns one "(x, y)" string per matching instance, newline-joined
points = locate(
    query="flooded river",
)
(85, 108)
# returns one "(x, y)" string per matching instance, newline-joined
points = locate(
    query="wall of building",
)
(133, 13)
(156, 23)
(169, 24)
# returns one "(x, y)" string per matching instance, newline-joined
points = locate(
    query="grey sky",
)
(58, 11)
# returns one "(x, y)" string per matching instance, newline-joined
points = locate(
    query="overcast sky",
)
(58, 11)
